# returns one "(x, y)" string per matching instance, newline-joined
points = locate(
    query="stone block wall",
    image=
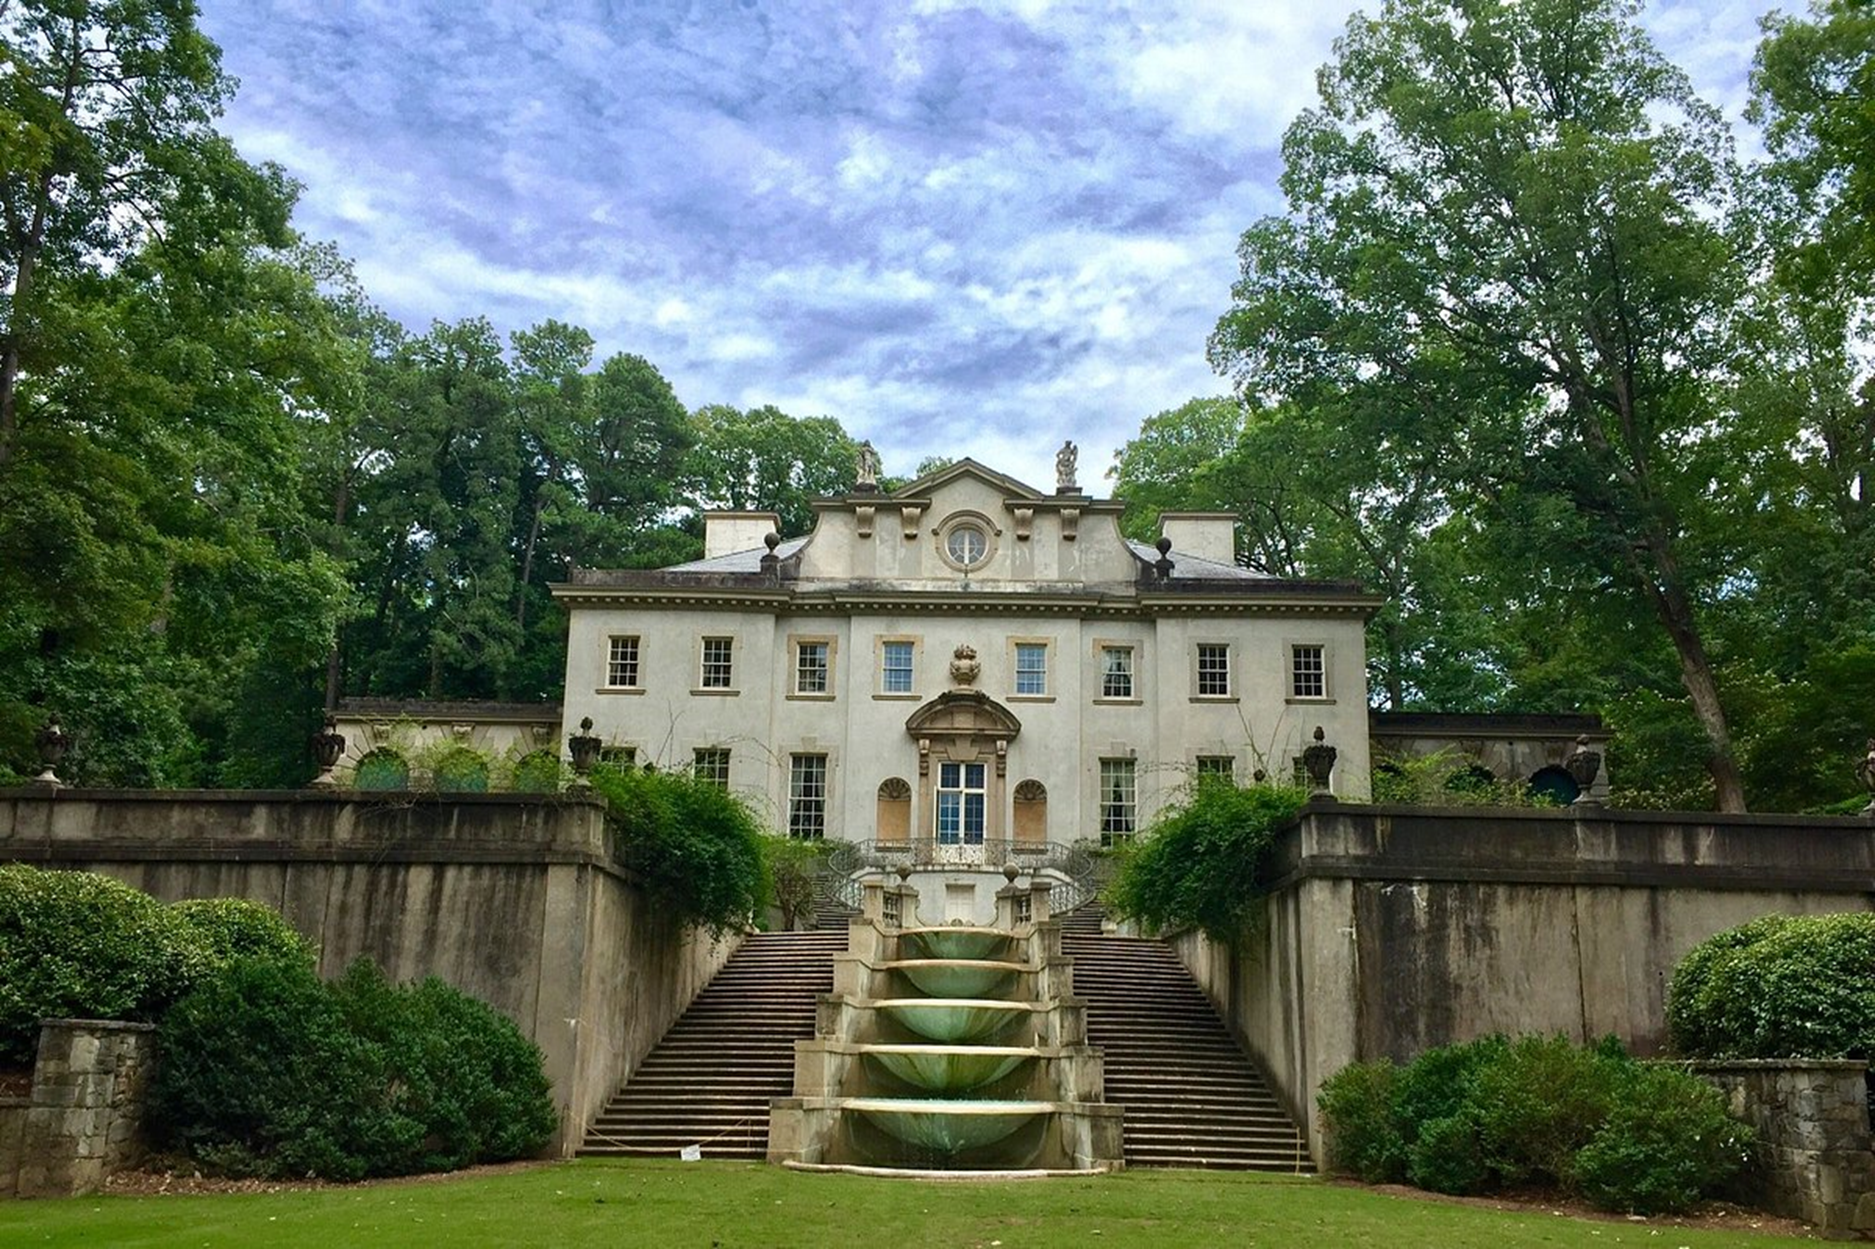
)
(1816, 1158)
(83, 1118)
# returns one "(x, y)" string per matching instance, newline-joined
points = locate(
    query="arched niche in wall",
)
(1555, 784)
(382, 768)
(537, 772)
(892, 820)
(1029, 816)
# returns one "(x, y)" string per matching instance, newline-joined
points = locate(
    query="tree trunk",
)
(1675, 610)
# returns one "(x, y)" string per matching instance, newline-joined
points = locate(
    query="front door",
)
(962, 801)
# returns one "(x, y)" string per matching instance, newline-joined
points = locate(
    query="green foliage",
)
(1448, 779)
(1364, 1137)
(1778, 987)
(793, 867)
(1538, 1110)
(76, 945)
(1203, 861)
(695, 847)
(268, 1071)
(1666, 1143)
(220, 931)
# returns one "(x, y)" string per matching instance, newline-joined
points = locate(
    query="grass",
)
(645, 1204)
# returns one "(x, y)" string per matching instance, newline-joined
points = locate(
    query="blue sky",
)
(960, 228)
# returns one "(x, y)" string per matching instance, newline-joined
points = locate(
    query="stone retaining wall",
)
(1814, 1159)
(84, 1116)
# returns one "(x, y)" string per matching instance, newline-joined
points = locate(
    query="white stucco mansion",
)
(966, 660)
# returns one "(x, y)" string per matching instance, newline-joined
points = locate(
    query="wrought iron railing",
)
(1075, 867)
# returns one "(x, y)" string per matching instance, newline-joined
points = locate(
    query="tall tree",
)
(763, 459)
(1527, 187)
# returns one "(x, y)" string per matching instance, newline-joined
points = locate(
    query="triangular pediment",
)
(931, 483)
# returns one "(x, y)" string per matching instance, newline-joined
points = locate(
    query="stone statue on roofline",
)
(1066, 460)
(866, 469)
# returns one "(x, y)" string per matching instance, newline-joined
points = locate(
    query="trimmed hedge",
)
(268, 1071)
(1778, 987)
(80, 945)
(1540, 1110)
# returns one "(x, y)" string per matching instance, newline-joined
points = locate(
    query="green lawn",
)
(744, 1206)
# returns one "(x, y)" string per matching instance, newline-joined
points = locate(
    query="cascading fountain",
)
(954, 1048)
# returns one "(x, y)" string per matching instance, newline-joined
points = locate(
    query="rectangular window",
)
(895, 667)
(960, 804)
(1308, 672)
(1222, 767)
(718, 671)
(807, 796)
(712, 765)
(810, 668)
(1032, 668)
(1116, 672)
(1213, 669)
(1119, 801)
(621, 665)
(618, 756)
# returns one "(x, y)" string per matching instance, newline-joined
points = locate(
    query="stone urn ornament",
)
(1583, 765)
(52, 743)
(1866, 771)
(328, 747)
(584, 747)
(1319, 762)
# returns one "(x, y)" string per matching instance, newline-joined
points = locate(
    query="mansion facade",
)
(966, 660)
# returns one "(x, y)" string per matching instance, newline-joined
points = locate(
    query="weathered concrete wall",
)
(1813, 1159)
(1394, 929)
(84, 1116)
(512, 898)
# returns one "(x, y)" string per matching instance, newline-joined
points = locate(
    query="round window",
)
(966, 545)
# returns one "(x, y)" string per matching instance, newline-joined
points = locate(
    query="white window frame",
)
(1131, 672)
(808, 790)
(1117, 799)
(711, 763)
(972, 782)
(631, 668)
(1297, 652)
(1224, 766)
(723, 678)
(1199, 672)
(910, 670)
(1023, 646)
(813, 668)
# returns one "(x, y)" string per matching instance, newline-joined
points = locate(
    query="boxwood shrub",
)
(1778, 987)
(268, 1071)
(1538, 1110)
(80, 945)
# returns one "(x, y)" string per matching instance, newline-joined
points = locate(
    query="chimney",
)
(725, 533)
(1206, 535)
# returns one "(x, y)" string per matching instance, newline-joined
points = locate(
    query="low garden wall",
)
(1814, 1157)
(512, 898)
(1394, 929)
(83, 1118)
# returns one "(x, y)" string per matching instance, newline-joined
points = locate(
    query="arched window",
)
(460, 770)
(537, 773)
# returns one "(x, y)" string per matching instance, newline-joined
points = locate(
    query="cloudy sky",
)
(960, 228)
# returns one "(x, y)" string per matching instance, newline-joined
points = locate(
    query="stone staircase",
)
(709, 1081)
(1192, 1098)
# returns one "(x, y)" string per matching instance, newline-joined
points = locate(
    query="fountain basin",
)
(954, 942)
(947, 1127)
(948, 1068)
(956, 977)
(954, 1019)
